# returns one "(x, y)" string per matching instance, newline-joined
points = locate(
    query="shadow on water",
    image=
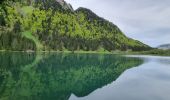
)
(29, 76)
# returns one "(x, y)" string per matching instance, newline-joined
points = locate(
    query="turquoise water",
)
(64, 76)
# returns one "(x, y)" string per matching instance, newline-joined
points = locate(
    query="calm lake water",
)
(64, 76)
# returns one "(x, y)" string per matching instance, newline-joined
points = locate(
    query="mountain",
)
(54, 25)
(164, 46)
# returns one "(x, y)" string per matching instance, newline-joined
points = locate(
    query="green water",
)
(56, 76)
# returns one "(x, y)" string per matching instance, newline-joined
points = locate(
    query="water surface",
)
(149, 81)
(64, 76)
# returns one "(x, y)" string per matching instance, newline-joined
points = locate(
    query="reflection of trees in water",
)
(56, 76)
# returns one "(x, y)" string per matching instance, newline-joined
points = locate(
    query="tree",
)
(17, 27)
(2, 20)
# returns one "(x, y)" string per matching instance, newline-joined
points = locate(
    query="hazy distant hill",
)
(164, 46)
(54, 25)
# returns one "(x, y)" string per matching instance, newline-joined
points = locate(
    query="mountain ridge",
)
(58, 27)
(164, 46)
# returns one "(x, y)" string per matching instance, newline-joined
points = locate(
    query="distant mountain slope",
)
(56, 26)
(164, 46)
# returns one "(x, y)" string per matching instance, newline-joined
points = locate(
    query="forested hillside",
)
(54, 25)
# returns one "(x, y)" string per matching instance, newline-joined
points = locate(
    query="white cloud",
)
(145, 20)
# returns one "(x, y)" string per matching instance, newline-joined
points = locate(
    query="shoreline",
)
(100, 52)
(92, 52)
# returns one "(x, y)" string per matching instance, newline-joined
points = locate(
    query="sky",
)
(144, 20)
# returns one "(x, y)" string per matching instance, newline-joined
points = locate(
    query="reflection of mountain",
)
(57, 76)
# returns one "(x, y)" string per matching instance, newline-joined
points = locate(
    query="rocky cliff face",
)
(65, 5)
(60, 1)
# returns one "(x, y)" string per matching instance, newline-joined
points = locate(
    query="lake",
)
(67, 76)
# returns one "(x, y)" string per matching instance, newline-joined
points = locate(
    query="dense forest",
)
(54, 25)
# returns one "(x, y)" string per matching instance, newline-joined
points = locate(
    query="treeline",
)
(58, 27)
(159, 52)
(15, 42)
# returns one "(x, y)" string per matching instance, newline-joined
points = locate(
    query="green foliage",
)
(57, 28)
(157, 52)
(15, 42)
(29, 35)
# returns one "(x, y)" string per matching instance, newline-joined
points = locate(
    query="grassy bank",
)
(29, 35)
